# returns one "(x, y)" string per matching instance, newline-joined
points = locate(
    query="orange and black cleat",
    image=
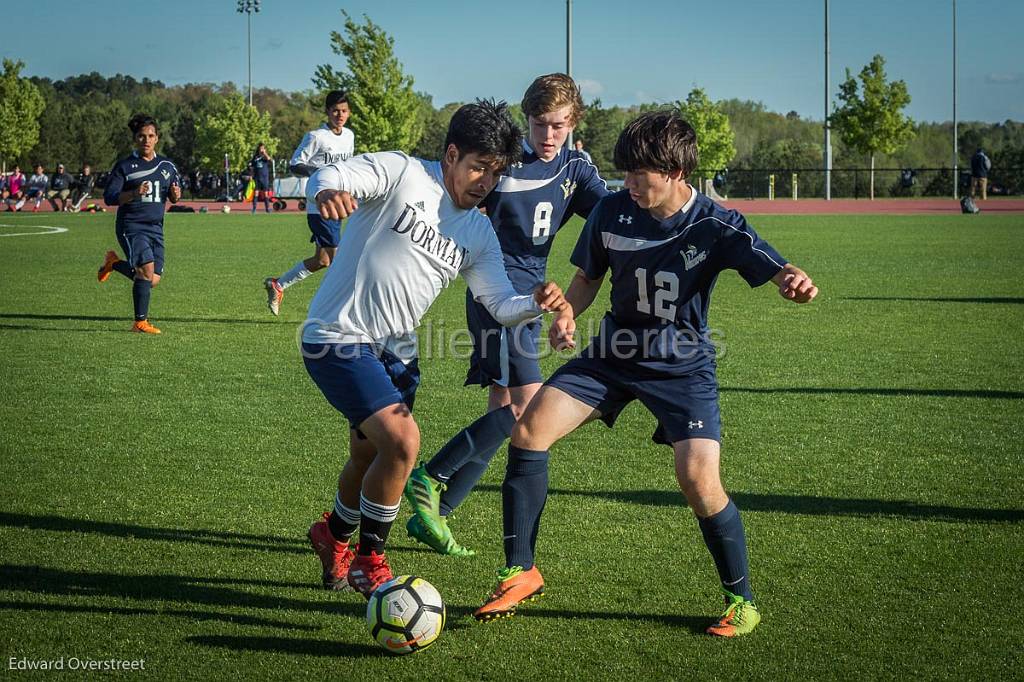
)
(103, 274)
(144, 327)
(515, 586)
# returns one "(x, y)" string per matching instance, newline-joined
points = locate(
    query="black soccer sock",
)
(523, 495)
(141, 290)
(343, 520)
(124, 268)
(723, 534)
(477, 442)
(374, 525)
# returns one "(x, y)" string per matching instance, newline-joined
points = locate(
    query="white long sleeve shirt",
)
(406, 242)
(320, 148)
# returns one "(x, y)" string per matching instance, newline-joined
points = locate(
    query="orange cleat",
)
(103, 274)
(274, 294)
(515, 586)
(335, 556)
(144, 327)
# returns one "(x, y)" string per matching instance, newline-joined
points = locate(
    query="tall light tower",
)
(956, 142)
(247, 7)
(828, 114)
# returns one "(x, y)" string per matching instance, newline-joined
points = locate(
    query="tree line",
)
(82, 119)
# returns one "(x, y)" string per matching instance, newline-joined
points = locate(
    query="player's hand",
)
(335, 205)
(795, 285)
(143, 189)
(174, 193)
(562, 330)
(549, 297)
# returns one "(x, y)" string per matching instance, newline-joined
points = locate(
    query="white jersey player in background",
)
(415, 230)
(330, 143)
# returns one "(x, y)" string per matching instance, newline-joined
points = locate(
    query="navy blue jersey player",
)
(139, 186)
(533, 199)
(663, 245)
(260, 167)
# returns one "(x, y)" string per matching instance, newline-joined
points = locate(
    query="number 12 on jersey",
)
(665, 295)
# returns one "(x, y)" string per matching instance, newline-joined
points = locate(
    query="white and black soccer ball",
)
(405, 614)
(225, 209)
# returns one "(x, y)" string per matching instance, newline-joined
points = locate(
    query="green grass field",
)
(156, 491)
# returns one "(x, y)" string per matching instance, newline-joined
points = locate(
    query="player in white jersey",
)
(417, 229)
(330, 143)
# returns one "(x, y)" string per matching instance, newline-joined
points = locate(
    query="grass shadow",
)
(166, 588)
(695, 624)
(189, 614)
(287, 645)
(807, 504)
(122, 318)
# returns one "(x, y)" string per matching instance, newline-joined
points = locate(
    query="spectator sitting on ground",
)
(36, 188)
(82, 188)
(15, 188)
(60, 188)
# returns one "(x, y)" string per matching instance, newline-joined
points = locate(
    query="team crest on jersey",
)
(166, 174)
(692, 258)
(568, 187)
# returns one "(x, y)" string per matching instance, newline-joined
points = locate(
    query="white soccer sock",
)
(384, 513)
(17, 206)
(296, 274)
(344, 513)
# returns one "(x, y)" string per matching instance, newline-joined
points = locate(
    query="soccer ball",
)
(405, 614)
(225, 209)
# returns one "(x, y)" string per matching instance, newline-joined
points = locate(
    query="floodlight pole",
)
(568, 49)
(956, 142)
(828, 115)
(248, 27)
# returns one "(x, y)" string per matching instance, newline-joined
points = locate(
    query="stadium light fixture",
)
(248, 7)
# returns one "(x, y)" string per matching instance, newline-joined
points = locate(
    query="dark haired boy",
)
(139, 186)
(415, 230)
(330, 143)
(664, 245)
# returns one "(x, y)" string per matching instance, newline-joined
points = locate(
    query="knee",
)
(323, 260)
(525, 434)
(404, 446)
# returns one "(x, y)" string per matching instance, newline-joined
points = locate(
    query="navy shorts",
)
(142, 246)
(358, 379)
(685, 406)
(506, 356)
(326, 233)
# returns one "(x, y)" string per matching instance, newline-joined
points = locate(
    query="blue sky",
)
(624, 52)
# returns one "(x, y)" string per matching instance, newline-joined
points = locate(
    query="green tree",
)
(385, 109)
(599, 131)
(714, 134)
(21, 104)
(230, 126)
(870, 117)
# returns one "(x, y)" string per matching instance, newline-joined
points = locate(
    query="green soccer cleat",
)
(443, 544)
(424, 494)
(740, 617)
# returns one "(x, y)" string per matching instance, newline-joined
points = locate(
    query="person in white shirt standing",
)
(415, 230)
(330, 143)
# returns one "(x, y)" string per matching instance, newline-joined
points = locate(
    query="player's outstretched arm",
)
(581, 294)
(794, 284)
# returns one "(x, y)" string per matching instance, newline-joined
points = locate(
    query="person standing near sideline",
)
(980, 166)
